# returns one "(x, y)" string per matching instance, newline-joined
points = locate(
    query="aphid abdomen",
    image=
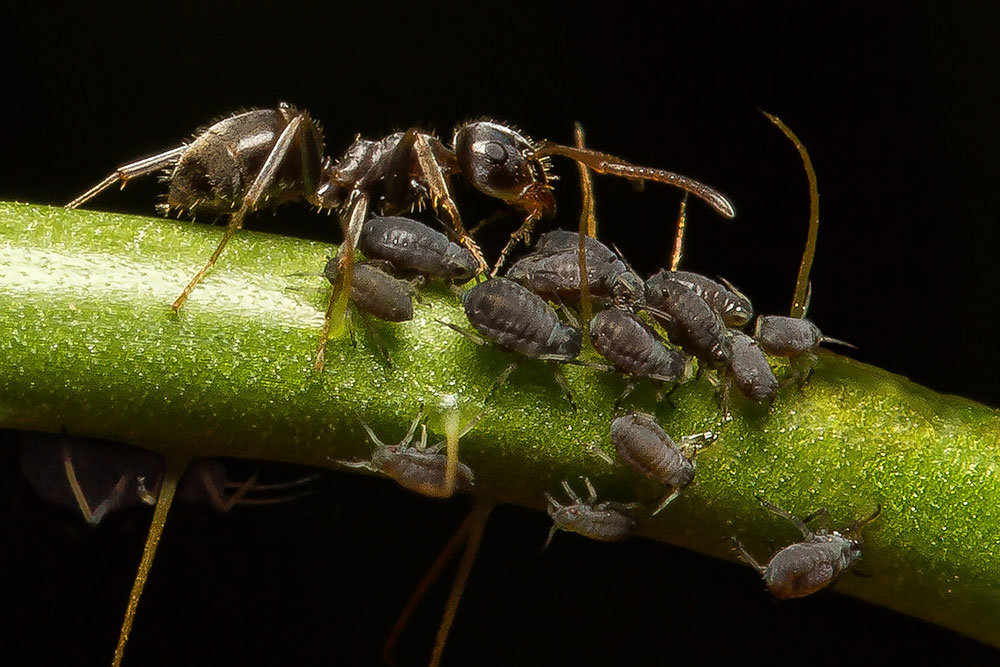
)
(646, 447)
(421, 471)
(513, 318)
(605, 521)
(787, 336)
(556, 277)
(633, 348)
(376, 292)
(750, 371)
(410, 245)
(734, 308)
(693, 324)
(806, 567)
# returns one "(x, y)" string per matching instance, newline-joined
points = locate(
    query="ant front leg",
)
(264, 180)
(523, 233)
(440, 196)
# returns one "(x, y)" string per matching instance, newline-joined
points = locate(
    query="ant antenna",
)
(799, 302)
(175, 469)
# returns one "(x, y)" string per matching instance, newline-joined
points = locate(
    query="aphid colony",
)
(656, 330)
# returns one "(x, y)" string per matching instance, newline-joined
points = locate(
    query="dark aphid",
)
(606, 521)
(634, 348)
(375, 292)
(552, 271)
(513, 318)
(749, 370)
(690, 323)
(732, 305)
(259, 157)
(805, 567)
(412, 246)
(793, 337)
(98, 478)
(645, 446)
(416, 467)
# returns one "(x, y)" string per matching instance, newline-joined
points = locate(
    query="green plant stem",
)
(88, 344)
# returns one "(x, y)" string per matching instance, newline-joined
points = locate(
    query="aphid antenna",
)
(837, 341)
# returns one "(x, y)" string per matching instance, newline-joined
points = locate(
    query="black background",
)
(898, 109)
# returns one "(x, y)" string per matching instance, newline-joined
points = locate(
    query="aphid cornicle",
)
(732, 305)
(645, 446)
(808, 566)
(411, 246)
(691, 323)
(375, 292)
(634, 348)
(416, 467)
(552, 271)
(607, 521)
(258, 157)
(749, 370)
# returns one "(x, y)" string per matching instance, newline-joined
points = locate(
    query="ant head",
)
(499, 161)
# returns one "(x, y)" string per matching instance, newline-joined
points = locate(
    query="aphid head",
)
(565, 341)
(461, 263)
(500, 162)
(629, 291)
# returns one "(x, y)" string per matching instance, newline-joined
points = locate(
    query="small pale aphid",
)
(552, 271)
(749, 370)
(646, 447)
(690, 322)
(375, 292)
(411, 246)
(732, 305)
(607, 521)
(416, 467)
(808, 566)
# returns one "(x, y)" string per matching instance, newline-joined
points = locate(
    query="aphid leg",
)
(336, 310)
(172, 474)
(564, 385)
(821, 514)
(746, 556)
(449, 551)
(501, 380)
(785, 514)
(591, 491)
(675, 256)
(570, 493)
(439, 193)
(126, 172)
(265, 177)
(666, 501)
(474, 337)
(690, 445)
(800, 302)
(373, 334)
(603, 163)
(480, 514)
(144, 494)
(588, 227)
(221, 502)
(630, 385)
(93, 517)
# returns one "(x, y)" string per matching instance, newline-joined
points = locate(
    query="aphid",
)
(690, 322)
(412, 246)
(805, 567)
(416, 467)
(645, 446)
(254, 158)
(634, 348)
(794, 337)
(514, 319)
(749, 370)
(99, 478)
(607, 521)
(552, 271)
(732, 305)
(375, 292)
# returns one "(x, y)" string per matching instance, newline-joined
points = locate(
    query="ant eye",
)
(495, 152)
